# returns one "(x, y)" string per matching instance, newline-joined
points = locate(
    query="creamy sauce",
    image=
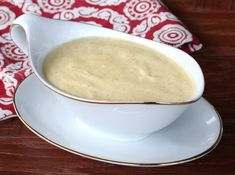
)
(118, 70)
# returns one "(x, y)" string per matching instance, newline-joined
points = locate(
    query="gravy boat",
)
(120, 120)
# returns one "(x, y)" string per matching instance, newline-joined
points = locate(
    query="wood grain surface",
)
(213, 21)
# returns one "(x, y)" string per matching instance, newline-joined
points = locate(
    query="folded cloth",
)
(149, 19)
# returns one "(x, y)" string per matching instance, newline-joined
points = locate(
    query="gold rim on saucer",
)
(120, 162)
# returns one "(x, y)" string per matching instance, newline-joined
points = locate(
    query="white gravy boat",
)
(36, 36)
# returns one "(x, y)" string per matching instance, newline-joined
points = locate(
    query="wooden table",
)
(213, 21)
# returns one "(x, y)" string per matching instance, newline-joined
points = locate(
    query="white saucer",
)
(196, 133)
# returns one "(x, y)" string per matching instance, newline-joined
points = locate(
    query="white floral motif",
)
(28, 72)
(4, 113)
(173, 34)
(5, 38)
(118, 21)
(7, 76)
(6, 101)
(85, 12)
(27, 6)
(168, 16)
(53, 6)
(27, 67)
(105, 2)
(12, 51)
(140, 9)
(9, 83)
(18, 3)
(6, 17)
(151, 21)
(146, 25)
(195, 47)
(65, 15)
(30, 7)
(1, 61)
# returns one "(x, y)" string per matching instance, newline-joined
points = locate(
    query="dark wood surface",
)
(213, 21)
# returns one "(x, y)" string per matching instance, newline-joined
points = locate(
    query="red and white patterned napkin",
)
(144, 18)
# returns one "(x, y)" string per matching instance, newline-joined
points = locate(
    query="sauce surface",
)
(118, 70)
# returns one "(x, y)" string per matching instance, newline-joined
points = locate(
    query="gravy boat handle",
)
(20, 31)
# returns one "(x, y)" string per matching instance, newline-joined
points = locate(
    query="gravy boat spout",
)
(122, 120)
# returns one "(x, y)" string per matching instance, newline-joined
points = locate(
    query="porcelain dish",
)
(194, 134)
(121, 120)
